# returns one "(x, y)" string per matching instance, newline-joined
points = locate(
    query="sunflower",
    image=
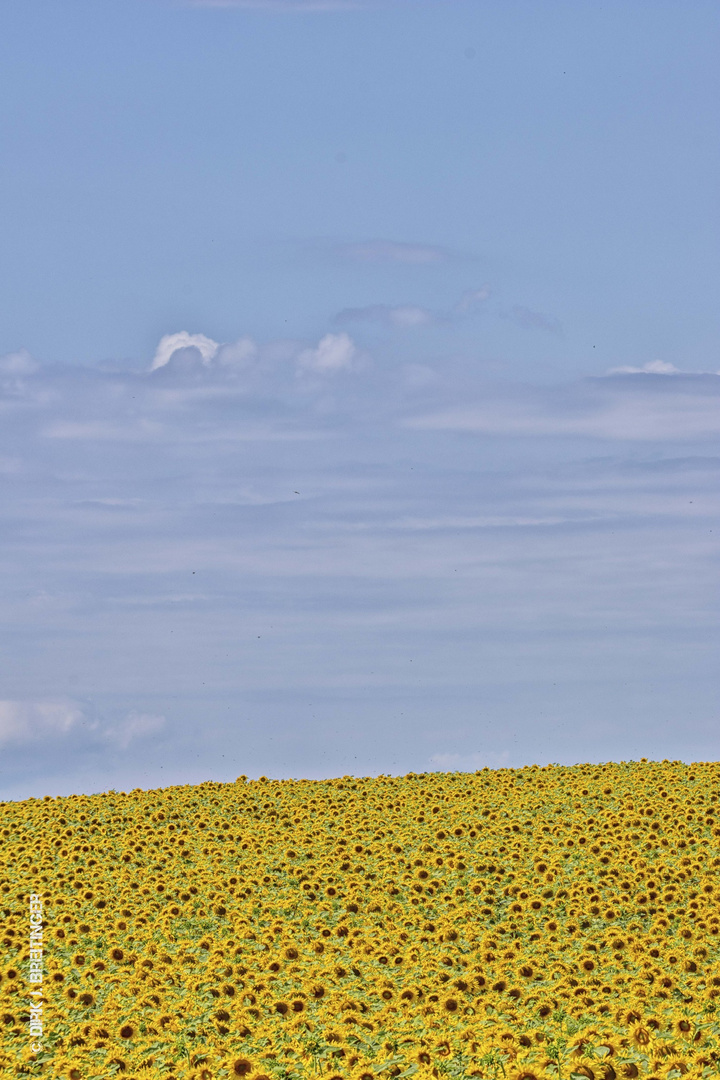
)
(640, 1036)
(517, 966)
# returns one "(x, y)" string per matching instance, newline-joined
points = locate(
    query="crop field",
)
(533, 924)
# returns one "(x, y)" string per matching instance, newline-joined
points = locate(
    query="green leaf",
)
(389, 1064)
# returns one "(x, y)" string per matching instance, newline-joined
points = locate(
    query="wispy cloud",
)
(652, 367)
(410, 316)
(19, 362)
(394, 252)
(139, 430)
(472, 299)
(135, 726)
(527, 319)
(616, 411)
(404, 316)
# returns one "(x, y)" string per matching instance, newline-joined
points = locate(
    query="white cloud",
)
(26, 723)
(653, 367)
(334, 352)
(569, 557)
(236, 354)
(19, 362)
(170, 343)
(135, 726)
(32, 721)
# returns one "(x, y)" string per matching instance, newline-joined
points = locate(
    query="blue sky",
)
(358, 388)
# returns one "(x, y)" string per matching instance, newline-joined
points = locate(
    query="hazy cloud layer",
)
(620, 408)
(294, 557)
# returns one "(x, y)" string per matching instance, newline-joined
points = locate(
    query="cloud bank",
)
(294, 558)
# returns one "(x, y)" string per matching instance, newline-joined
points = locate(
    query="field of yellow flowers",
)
(532, 924)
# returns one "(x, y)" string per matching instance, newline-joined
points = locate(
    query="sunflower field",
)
(531, 924)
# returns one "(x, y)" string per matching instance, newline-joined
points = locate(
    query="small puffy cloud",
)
(653, 367)
(135, 726)
(236, 354)
(172, 343)
(334, 353)
(403, 315)
(392, 251)
(23, 722)
(533, 320)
